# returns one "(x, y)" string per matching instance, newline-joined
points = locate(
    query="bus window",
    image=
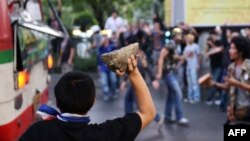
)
(33, 40)
(33, 46)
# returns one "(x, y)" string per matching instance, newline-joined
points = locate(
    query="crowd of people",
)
(177, 61)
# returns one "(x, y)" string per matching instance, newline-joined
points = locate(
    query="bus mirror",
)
(35, 25)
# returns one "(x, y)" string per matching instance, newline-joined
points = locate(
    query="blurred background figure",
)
(177, 40)
(108, 78)
(114, 22)
(130, 101)
(158, 42)
(166, 70)
(214, 52)
(56, 41)
(147, 41)
(68, 54)
(96, 37)
(237, 82)
(192, 53)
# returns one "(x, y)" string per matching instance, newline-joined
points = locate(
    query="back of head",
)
(75, 93)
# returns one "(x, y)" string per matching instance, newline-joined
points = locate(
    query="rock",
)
(117, 59)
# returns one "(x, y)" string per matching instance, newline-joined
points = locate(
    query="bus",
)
(24, 65)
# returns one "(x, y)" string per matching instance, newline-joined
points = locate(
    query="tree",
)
(97, 11)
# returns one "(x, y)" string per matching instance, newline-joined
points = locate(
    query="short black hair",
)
(75, 93)
(242, 46)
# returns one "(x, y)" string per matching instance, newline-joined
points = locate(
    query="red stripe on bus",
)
(13, 130)
(5, 27)
(5, 45)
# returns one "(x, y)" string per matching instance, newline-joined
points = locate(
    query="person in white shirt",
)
(114, 22)
(192, 53)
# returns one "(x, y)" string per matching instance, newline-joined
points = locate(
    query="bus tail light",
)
(22, 79)
(50, 61)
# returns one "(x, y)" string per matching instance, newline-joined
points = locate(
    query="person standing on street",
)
(114, 22)
(237, 82)
(67, 56)
(166, 70)
(192, 53)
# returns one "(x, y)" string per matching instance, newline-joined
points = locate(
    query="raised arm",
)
(146, 106)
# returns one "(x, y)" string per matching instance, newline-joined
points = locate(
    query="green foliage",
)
(135, 9)
(85, 19)
(96, 11)
(68, 16)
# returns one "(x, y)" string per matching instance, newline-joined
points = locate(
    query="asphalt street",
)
(205, 122)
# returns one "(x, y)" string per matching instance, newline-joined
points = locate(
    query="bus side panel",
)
(5, 27)
(14, 121)
(14, 129)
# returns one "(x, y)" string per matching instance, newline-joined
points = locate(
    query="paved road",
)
(206, 122)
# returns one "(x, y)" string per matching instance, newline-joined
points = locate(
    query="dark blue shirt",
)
(103, 50)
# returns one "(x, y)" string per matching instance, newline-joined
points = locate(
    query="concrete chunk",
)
(118, 59)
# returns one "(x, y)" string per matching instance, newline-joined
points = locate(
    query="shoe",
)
(183, 121)
(191, 102)
(209, 103)
(217, 102)
(185, 100)
(167, 120)
(161, 121)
